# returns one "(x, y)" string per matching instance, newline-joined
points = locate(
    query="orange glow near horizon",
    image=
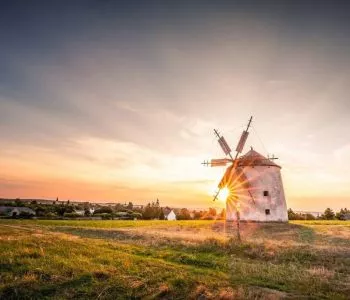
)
(88, 174)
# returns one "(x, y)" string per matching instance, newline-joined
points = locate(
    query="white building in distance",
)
(171, 216)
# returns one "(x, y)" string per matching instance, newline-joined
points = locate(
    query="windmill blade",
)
(242, 141)
(220, 162)
(243, 138)
(224, 146)
(217, 162)
(216, 194)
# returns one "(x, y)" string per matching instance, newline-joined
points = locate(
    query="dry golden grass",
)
(186, 260)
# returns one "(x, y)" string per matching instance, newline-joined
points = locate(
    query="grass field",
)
(173, 260)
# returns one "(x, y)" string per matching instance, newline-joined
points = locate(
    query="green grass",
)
(173, 260)
(108, 223)
(322, 222)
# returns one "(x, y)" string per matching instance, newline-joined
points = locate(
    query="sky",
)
(107, 101)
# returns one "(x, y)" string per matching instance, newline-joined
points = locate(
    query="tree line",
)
(343, 214)
(129, 211)
(151, 211)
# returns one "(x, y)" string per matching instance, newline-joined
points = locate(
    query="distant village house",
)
(169, 215)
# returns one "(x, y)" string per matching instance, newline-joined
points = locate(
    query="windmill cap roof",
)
(253, 158)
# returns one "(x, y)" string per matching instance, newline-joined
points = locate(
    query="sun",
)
(224, 193)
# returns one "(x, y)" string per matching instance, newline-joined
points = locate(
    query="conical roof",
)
(253, 158)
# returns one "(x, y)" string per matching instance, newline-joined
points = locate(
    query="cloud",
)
(114, 94)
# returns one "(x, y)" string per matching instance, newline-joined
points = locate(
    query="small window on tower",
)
(266, 193)
(267, 211)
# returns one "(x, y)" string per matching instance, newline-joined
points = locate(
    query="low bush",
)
(71, 215)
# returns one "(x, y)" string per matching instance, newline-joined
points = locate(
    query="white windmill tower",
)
(254, 184)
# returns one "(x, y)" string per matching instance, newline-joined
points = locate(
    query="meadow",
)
(74, 259)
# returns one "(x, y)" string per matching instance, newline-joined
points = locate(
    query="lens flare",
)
(224, 193)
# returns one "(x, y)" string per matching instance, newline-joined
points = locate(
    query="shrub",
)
(25, 215)
(106, 216)
(50, 215)
(207, 217)
(71, 215)
(103, 210)
(137, 215)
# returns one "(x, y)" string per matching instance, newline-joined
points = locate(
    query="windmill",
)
(232, 176)
(254, 183)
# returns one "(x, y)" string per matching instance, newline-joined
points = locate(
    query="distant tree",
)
(103, 210)
(60, 210)
(71, 215)
(156, 212)
(79, 207)
(183, 214)
(138, 209)
(18, 202)
(40, 211)
(130, 205)
(69, 209)
(343, 214)
(212, 212)
(328, 214)
(148, 213)
(206, 216)
(291, 214)
(157, 203)
(198, 215)
(136, 215)
(119, 207)
(33, 202)
(299, 216)
(50, 215)
(308, 216)
(161, 215)
(25, 215)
